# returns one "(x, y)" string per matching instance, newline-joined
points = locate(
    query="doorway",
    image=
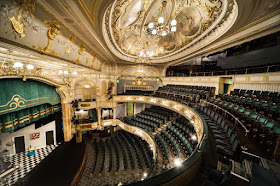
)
(226, 88)
(49, 138)
(19, 144)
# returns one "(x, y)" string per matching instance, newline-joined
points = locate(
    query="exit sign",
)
(229, 81)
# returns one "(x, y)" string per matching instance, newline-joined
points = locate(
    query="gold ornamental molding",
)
(18, 102)
(115, 122)
(182, 109)
(29, 7)
(40, 78)
(87, 11)
(53, 31)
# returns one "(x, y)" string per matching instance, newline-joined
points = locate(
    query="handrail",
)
(225, 72)
(81, 169)
(235, 119)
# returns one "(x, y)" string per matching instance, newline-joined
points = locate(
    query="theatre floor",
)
(25, 163)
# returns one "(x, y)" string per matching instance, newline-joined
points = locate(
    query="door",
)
(19, 144)
(49, 138)
(226, 88)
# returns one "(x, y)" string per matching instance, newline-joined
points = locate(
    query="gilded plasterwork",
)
(130, 19)
(29, 7)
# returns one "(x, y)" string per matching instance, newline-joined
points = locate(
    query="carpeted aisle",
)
(58, 168)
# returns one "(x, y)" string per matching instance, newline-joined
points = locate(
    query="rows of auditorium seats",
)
(226, 142)
(184, 93)
(261, 126)
(261, 95)
(131, 150)
(176, 139)
(150, 119)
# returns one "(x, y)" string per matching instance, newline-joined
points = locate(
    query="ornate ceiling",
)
(107, 36)
(127, 25)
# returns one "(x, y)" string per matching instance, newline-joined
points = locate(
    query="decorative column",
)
(114, 113)
(98, 116)
(66, 117)
(125, 109)
(79, 137)
(144, 106)
(134, 108)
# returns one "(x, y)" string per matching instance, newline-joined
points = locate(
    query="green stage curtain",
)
(23, 102)
(18, 95)
(11, 121)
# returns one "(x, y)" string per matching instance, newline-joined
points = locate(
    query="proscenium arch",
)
(60, 89)
(37, 78)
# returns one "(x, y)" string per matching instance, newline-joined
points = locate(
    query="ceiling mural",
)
(129, 31)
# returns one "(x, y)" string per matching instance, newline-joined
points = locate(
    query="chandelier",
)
(144, 55)
(161, 27)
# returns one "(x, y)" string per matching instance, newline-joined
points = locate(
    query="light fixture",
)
(145, 174)
(29, 66)
(87, 86)
(60, 72)
(74, 72)
(194, 137)
(18, 65)
(178, 162)
(145, 54)
(161, 27)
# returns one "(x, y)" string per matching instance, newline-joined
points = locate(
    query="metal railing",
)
(271, 68)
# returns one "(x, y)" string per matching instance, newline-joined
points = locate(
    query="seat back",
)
(219, 120)
(226, 128)
(223, 123)
(229, 132)
(235, 145)
(215, 117)
(232, 138)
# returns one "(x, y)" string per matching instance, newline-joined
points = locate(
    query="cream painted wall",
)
(26, 131)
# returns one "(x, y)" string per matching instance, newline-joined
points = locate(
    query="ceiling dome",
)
(133, 26)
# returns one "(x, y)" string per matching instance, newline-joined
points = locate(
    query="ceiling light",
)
(60, 72)
(159, 26)
(177, 162)
(151, 25)
(29, 66)
(65, 72)
(160, 20)
(74, 72)
(18, 65)
(173, 22)
(87, 86)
